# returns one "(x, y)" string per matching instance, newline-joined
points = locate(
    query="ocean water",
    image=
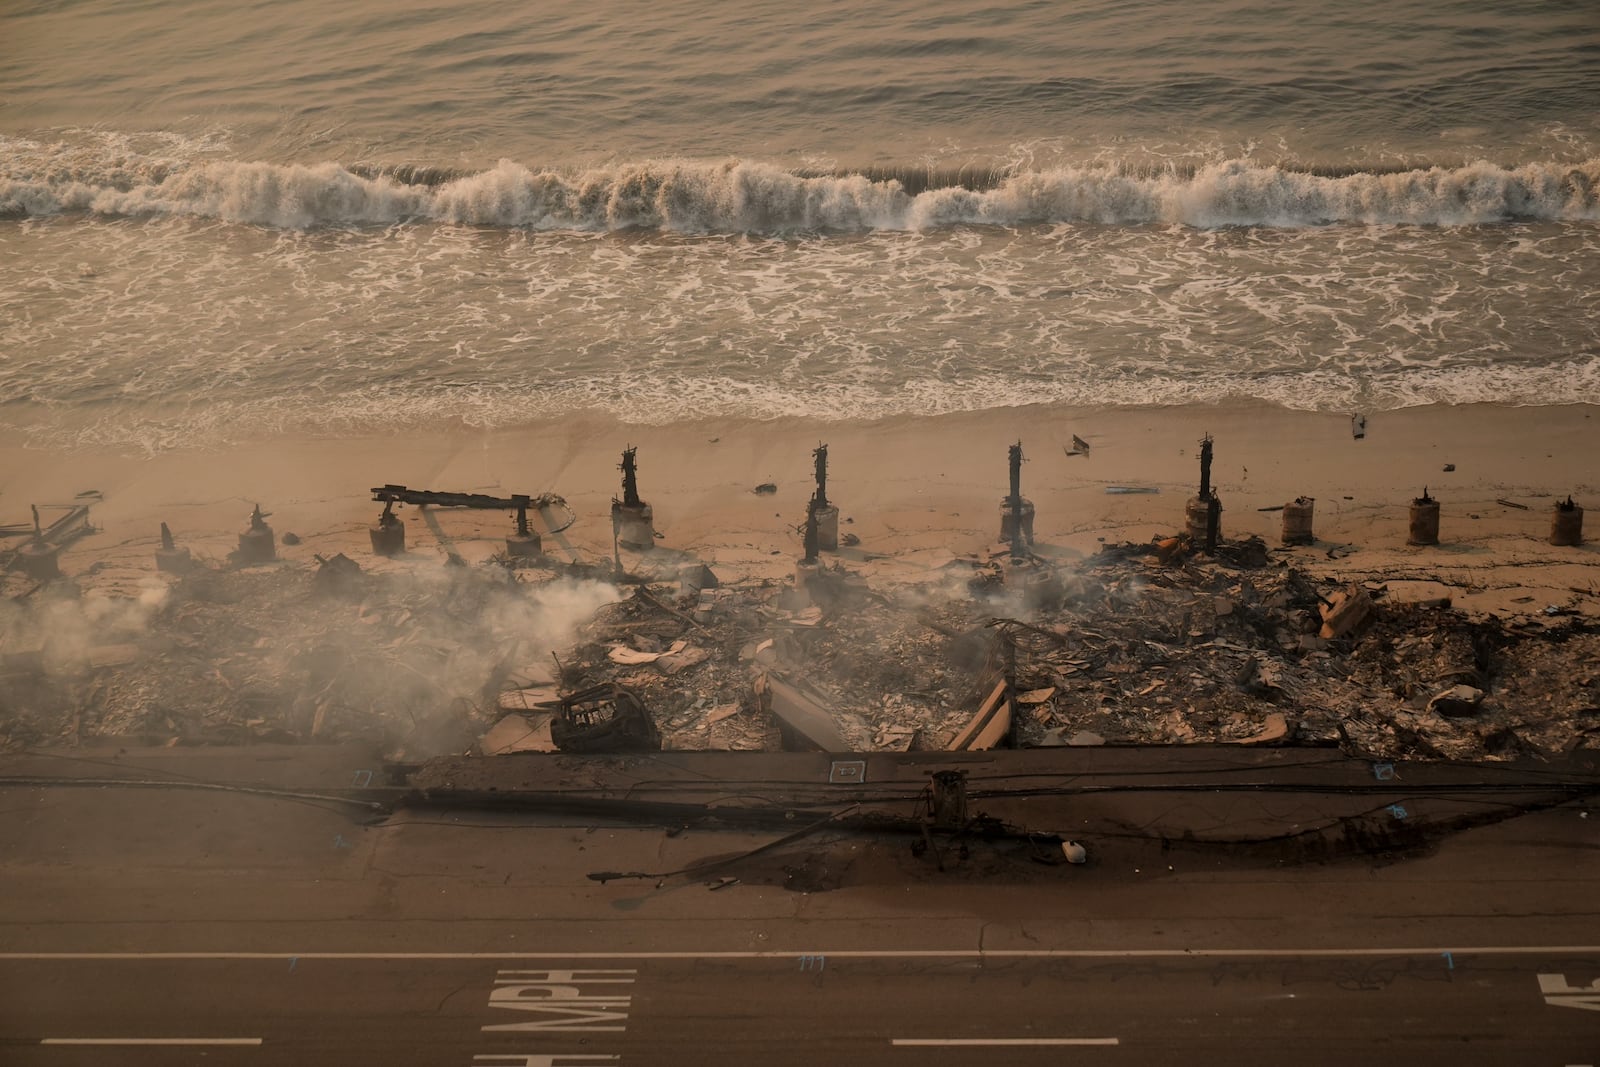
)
(227, 220)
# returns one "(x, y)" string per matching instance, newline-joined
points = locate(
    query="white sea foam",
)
(759, 198)
(153, 333)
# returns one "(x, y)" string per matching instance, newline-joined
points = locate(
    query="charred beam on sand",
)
(523, 543)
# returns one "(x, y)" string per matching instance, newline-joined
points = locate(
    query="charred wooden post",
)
(256, 543)
(819, 456)
(630, 478)
(632, 521)
(819, 511)
(169, 557)
(1203, 513)
(807, 567)
(389, 535)
(1016, 511)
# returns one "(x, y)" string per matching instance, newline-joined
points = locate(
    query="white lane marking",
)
(151, 1041)
(1005, 1041)
(866, 954)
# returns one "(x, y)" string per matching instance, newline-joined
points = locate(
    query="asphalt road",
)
(1370, 1007)
(298, 932)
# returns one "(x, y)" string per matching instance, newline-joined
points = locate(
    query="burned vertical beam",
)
(819, 456)
(1016, 511)
(631, 518)
(1203, 512)
(524, 542)
(819, 511)
(630, 478)
(1015, 453)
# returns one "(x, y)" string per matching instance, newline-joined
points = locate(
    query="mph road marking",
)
(567, 1001)
(1559, 994)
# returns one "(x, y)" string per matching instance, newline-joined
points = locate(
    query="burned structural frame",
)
(524, 543)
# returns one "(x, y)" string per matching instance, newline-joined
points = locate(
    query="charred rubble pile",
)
(882, 676)
(1138, 643)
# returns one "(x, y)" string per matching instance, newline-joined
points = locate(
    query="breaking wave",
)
(751, 197)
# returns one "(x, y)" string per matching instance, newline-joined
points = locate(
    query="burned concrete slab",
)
(804, 722)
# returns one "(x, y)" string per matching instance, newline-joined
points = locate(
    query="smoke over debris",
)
(412, 661)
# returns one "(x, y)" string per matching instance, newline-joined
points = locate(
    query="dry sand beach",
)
(906, 485)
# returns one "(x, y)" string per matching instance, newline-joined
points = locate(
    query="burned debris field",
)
(1135, 644)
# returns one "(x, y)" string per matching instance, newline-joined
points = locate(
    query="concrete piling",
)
(1424, 520)
(170, 559)
(1297, 521)
(1566, 524)
(39, 560)
(256, 543)
(389, 534)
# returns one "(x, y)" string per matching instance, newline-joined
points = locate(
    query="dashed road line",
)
(975, 1041)
(866, 954)
(150, 1041)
